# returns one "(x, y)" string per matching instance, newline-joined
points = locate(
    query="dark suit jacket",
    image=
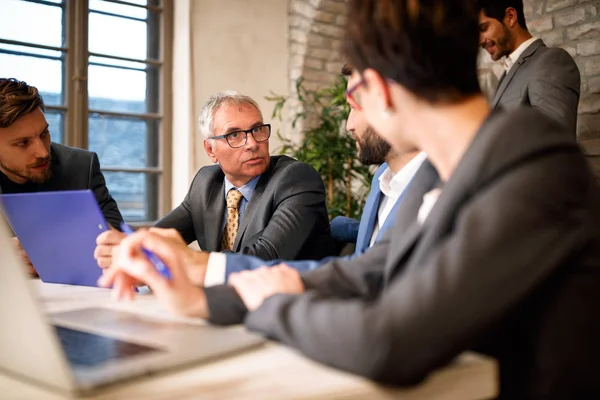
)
(286, 218)
(77, 169)
(507, 263)
(546, 78)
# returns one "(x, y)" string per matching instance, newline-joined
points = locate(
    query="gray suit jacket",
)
(286, 218)
(507, 263)
(77, 169)
(546, 78)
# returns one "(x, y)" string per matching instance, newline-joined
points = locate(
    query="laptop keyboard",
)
(88, 349)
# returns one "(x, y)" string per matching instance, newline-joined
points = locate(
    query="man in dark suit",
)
(389, 183)
(503, 258)
(280, 210)
(535, 75)
(29, 162)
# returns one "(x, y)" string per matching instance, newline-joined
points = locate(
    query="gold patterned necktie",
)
(234, 197)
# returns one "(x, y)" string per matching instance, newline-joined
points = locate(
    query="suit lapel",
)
(213, 219)
(508, 77)
(251, 208)
(406, 229)
(367, 222)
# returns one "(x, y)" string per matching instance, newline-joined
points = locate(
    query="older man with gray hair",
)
(250, 202)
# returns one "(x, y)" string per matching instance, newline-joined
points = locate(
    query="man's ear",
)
(510, 17)
(378, 87)
(208, 147)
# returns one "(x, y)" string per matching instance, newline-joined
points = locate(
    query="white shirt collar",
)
(392, 185)
(514, 56)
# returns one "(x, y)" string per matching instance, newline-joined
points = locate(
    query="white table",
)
(271, 371)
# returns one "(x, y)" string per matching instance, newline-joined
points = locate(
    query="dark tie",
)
(234, 197)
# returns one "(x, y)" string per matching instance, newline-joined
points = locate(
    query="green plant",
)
(327, 146)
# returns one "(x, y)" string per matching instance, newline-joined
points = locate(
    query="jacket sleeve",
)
(555, 89)
(243, 262)
(300, 209)
(107, 204)
(341, 277)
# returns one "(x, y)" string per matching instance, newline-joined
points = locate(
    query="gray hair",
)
(229, 97)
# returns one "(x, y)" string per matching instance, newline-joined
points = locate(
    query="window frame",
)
(75, 108)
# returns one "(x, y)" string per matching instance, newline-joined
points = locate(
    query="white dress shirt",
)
(392, 186)
(514, 56)
(429, 200)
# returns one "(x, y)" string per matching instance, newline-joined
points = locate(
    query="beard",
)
(372, 149)
(28, 175)
(503, 44)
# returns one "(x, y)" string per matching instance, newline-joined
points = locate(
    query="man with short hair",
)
(30, 162)
(250, 202)
(542, 77)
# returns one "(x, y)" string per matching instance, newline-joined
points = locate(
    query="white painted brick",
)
(594, 85)
(584, 31)
(589, 104)
(554, 5)
(328, 30)
(588, 48)
(298, 36)
(541, 24)
(590, 66)
(570, 17)
(299, 7)
(322, 16)
(334, 7)
(313, 63)
(321, 54)
(553, 38)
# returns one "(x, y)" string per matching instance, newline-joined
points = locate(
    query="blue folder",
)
(58, 232)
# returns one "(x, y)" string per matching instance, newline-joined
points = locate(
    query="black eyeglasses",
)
(260, 133)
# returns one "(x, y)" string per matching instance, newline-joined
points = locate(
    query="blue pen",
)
(158, 264)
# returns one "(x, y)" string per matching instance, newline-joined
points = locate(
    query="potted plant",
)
(327, 146)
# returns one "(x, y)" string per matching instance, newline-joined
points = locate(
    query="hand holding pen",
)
(158, 264)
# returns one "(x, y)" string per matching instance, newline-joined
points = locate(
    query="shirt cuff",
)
(215, 269)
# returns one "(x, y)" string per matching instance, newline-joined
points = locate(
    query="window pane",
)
(124, 143)
(31, 22)
(123, 90)
(55, 120)
(44, 74)
(136, 194)
(113, 41)
(52, 54)
(121, 9)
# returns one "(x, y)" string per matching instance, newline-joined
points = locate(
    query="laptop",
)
(79, 351)
(58, 232)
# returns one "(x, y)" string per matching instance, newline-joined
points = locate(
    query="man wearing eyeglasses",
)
(250, 203)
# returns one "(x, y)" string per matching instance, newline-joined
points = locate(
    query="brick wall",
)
(575, 26)
(316, 30)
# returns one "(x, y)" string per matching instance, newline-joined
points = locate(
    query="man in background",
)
(535, 75)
